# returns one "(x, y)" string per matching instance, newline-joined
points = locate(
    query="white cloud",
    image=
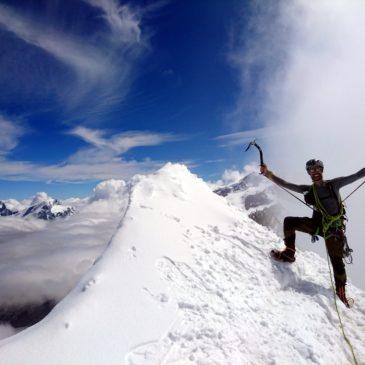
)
(232, 176)
(54, 255)
(92, 136)
(83, 58)
(122, 20)
(242, 138)
(102, 160)
(85, 171)
(74, 170)
(122, 142)
(312, 90)
(109, 189)
(102, 67)
(10, 132)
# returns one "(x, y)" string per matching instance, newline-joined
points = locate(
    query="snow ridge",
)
(186, 279)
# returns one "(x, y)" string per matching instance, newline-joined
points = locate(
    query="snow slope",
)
(186, 279)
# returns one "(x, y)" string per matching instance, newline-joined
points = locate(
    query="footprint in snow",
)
(176, 219)
(145, 207)
(89, 284)
(132, 252)
(149, 353)
(161, 297)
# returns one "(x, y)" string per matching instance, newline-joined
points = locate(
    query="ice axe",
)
(253, 143)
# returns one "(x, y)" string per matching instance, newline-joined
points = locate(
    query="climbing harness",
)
(333, 225)
(329, 222)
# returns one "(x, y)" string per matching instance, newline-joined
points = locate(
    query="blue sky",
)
(94, 89)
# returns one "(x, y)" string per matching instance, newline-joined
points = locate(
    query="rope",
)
(294, 196)
(338, 313)
(302, 201)
(354, 190)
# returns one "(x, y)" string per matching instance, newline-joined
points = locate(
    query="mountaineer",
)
(327, 220)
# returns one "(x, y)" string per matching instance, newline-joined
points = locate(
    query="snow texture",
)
(186, 279)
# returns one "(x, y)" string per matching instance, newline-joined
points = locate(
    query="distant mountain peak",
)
(42, 206)
(254, 194)
(5, 211)
(47, 208)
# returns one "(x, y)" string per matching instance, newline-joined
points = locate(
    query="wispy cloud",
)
(92, 136)
(102, 62)
(102, 159)
(124, 22)
(75, 171)
(122, 142)
(10, 134)
(240, 138)
(84, 59)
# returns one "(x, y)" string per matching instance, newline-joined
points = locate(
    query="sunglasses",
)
(315, 169)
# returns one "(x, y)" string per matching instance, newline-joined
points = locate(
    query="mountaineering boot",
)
(341, 293)
(286, 255)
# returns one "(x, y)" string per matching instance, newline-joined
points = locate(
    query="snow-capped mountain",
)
(258, 197)
(42, 206)
(186, 279)
(5, 211)
(47, 208)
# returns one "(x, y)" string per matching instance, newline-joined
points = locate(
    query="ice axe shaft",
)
(253, 143)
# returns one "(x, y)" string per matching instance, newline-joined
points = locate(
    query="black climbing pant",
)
(334, 243)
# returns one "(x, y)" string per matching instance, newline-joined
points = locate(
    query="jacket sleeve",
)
(345, 180)
(294, 187)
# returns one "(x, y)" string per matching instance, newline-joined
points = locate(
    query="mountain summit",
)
(186, 279)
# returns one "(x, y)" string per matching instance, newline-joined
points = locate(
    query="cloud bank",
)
(313, 81)
(43, 260)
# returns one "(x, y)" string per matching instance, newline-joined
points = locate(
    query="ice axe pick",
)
(253, 143)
